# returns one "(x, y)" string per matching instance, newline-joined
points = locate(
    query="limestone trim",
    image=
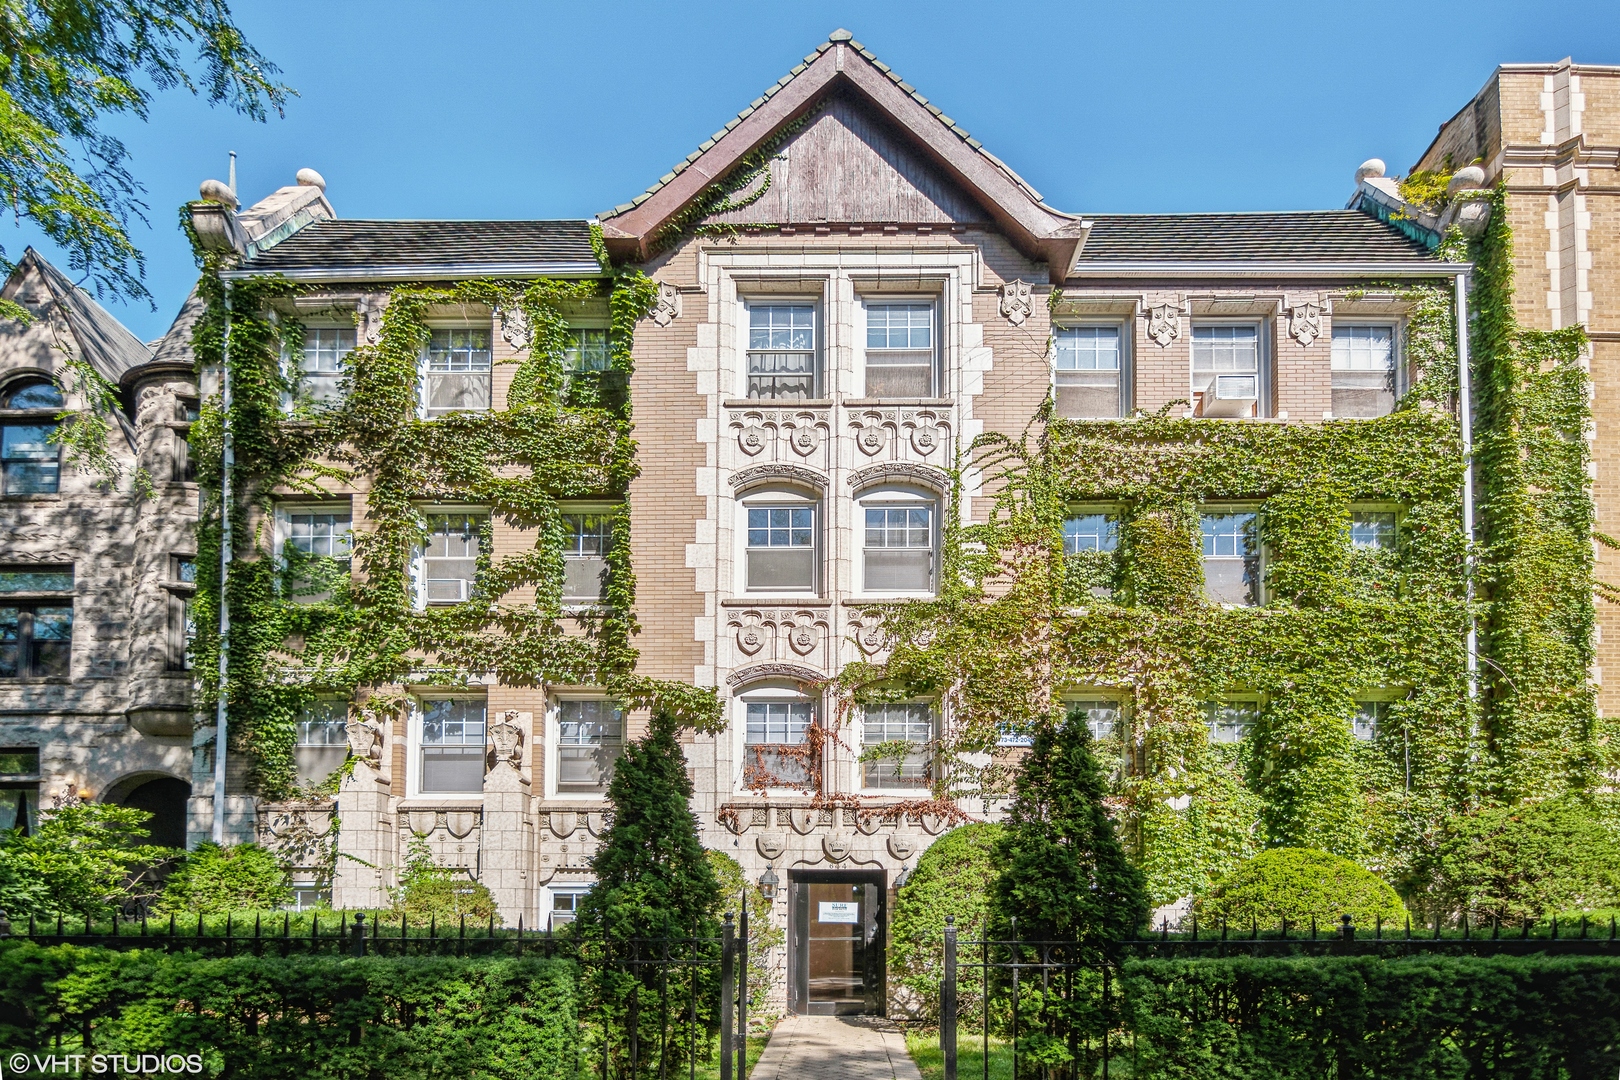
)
(758, 672)
(755, 475)
(891, 472)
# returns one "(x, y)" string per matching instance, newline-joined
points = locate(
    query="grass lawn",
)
(924, 1049)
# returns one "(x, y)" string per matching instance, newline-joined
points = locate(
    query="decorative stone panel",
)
(798, 436)
(789, 633)
(452, 834)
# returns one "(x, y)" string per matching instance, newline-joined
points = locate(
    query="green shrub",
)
(952, 878)
(1298, 884)
(316, 1018)
(1305, 1018)
(1527, 862)
(763, 934)
(214, 880)
(428, 891)
(85, 859)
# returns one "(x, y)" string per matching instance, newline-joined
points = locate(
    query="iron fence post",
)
(728, 986)
(947, 1001)
(357, 944)
(742, 989)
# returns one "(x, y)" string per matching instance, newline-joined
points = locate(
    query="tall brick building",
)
(849, 290)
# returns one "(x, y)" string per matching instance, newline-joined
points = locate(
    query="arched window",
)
(31, 394)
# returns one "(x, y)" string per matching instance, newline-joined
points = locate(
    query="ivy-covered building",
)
(843, 447)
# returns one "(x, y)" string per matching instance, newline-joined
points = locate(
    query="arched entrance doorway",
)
(164, 797)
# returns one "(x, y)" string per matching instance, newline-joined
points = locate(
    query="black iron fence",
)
(1037, 993)
(668, 1000)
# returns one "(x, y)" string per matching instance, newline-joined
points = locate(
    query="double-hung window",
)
(1089, 372)
(456, 372)
(1364, 369)
(1226, 368)
(565, 901)
(316, 549)
(1368, 718)
(587, 539)
(586, 359)
(897, 737)
(781, 351)
(30, 460)
(1372, 530)
(590, 738)
(36, 622)
(449, 563)
(774, 741)
(1100, 715)
(1230, 721)
(181, 586)
(781, 551)
(452, 746)
(323, 739)
(898, 549)
(1090, 532)
(1231, 558)
(900, 350)
(322, 364)
(19, 788)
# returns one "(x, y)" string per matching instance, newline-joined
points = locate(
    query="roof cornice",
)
(1234, 268)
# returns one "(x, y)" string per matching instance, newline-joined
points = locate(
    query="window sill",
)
(888, 598)
(441, 801)
(592, 797)
(32, 496)
(49, 680)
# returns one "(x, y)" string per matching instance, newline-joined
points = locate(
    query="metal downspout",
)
(227, 461)
(1465, 411)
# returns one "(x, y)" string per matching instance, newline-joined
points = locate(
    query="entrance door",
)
(837, 962)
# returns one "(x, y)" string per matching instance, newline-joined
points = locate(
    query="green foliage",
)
(953, 878)
(272, 1017)
(1299, 885)
(67, 65)
(302, 627)
(1506, 1017)
(84, 433)
(1063, 873)
(214, 880)
(1426, 189)
(764, 935)
(428, 891)
(1531, 861)
(84, 860)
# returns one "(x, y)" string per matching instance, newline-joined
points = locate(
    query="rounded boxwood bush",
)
(214, 879)
(1298, 884)
(952, 878)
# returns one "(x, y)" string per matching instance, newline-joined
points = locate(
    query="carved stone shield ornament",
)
(668, 306)
(902, 846)
(1164, 323)
(515, 327)
(802, 639)
(1305, 322)
(752, 439)
(869, 439)
(460, 822)
(771, 844)
(422, 822)
(751, 638)
(1017, 303)
(837, 846)
(804, 440)
(925, 439)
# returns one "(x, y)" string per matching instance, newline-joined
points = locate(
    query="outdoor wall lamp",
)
(768, 881)
(902, 877)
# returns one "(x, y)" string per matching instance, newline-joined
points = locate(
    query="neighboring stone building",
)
(96, 569)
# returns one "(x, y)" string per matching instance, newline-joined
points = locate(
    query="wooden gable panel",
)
(848, 166)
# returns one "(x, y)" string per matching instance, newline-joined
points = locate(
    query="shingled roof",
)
(1310, 236)
(404, 250)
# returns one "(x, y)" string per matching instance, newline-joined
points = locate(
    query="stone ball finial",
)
(1467, 179)
(1373, 167)
(311, 178)
(217, 191)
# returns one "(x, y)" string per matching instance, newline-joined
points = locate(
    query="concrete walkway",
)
(835, 1048)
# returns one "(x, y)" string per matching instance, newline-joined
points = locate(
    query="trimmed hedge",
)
(307, 1017)
(1506, 1017)
(1299, 884)
(952, 878)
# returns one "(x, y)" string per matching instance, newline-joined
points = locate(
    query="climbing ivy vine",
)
(305, 626)
(1018, 625)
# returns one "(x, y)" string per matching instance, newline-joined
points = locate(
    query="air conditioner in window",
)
(1231, 395)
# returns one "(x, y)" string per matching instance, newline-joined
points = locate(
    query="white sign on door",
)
(839, 911)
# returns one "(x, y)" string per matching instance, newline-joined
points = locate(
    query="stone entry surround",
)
(835, 1048)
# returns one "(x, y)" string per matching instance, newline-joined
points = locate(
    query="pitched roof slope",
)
(421, 248)
(1334, 236)
(103, 341)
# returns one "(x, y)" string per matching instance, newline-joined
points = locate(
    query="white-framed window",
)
(456, 371)
(900, 355)
(322, 365)
(1365, 369)
(781, 548)
(775, 723)
(590, 738)
(1231, 719)
(1373, 530)
(587, 350)
(1102, 716)
(1227, 368)
(897, 543)
(901, 767)
(451, 746)
(1090, 371)
(1231, 550)
(307, 536)
(782, 350)
(587, 540)
(1089, 530)
(1369, 717)
(563, 904)
(448, 564)
(323, 739)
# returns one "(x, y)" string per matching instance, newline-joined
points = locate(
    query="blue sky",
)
(485, 109)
